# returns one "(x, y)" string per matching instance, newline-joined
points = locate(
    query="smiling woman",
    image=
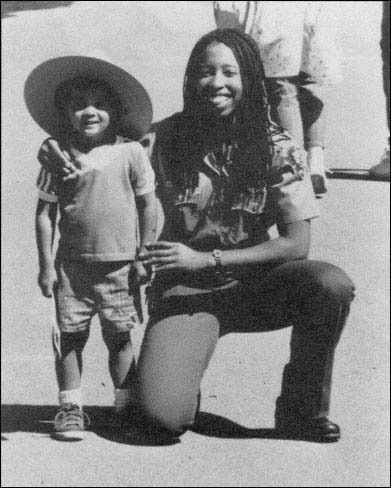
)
(226, 174)
(220, 83)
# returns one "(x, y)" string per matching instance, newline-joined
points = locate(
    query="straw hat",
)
(43, 81)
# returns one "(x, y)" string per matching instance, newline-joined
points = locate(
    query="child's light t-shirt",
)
(98, 209)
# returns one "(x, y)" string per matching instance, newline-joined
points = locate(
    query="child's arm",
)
(147, 213)
(45, 221)
(146, 206)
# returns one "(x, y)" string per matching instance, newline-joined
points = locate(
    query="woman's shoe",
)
(318, 184)
(312, 429)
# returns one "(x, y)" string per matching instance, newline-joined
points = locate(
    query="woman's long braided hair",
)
(251, 130)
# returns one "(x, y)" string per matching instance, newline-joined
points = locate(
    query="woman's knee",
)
(172, 418)
(331, 282)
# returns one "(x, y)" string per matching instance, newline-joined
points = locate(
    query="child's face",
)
(219, 82)
(90, 111)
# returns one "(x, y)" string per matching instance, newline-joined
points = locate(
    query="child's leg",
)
(75, 308)
(122, 365)
(69, 365)
(118, 316)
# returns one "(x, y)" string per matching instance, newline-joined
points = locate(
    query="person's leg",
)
(73, 316)
(314, 297)
(122, 364)
(118, 316)
(174, 356)
(69, 365)
(313, 116)
(285, 107)
(382, 169)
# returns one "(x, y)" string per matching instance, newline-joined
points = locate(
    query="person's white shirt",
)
(292, 36)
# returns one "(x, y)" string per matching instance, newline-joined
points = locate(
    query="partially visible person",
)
(382, 169)
(298, 50)
(86, 103)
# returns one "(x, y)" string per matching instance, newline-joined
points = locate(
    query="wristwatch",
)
(218, 256)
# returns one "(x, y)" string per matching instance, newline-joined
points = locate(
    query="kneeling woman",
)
(226, 174)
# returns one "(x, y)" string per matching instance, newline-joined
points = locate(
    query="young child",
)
(96, 270)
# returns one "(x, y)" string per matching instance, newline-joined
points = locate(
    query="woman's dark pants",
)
(311, 296)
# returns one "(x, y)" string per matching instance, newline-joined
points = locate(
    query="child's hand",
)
(142, 276)
(46, 280)
(54, 159)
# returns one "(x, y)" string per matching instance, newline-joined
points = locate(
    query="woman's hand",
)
(54, 159)
(165, 255)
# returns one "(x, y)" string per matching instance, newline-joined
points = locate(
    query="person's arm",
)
(45, 221)
(293, 243)
(56, 160)
(146, 206)
(147, 217)
(143, 182)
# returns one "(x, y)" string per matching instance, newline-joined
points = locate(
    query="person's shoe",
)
(70, 423)
(312, 429)
(318, 184)
(382, 169)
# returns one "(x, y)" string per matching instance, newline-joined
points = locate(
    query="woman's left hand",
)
(165, 255)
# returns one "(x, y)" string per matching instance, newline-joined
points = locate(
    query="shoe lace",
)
(71, 415)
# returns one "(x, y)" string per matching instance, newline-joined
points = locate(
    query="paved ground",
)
(235, 445)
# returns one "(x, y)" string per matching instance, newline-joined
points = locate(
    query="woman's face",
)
(219, 83)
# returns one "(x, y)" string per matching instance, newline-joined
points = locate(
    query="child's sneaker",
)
(69, 423)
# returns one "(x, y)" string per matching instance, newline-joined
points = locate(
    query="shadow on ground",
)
(213, 425)
(39, 419)
(8, 9)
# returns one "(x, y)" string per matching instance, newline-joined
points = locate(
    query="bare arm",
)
(45, 222)
(292, 244)
(147, 211)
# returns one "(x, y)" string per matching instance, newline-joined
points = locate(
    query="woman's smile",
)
(220, 83)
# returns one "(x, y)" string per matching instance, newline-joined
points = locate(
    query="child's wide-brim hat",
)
(41, 85)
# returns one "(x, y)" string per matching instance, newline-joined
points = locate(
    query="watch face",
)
(217, 254)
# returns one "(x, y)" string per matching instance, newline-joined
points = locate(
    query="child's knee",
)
(116, 340)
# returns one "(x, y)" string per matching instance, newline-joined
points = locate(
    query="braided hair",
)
(252, 129)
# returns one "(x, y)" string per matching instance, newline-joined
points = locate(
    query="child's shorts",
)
(86, 289)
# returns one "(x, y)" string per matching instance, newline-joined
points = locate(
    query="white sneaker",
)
(69, 423)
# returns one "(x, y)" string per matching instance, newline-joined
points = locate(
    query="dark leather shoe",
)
(317, 430)
(318, 184)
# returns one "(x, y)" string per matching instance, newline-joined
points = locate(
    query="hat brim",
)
(43, 81)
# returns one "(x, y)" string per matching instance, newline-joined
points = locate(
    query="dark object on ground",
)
(355, 174)
(317, 430)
